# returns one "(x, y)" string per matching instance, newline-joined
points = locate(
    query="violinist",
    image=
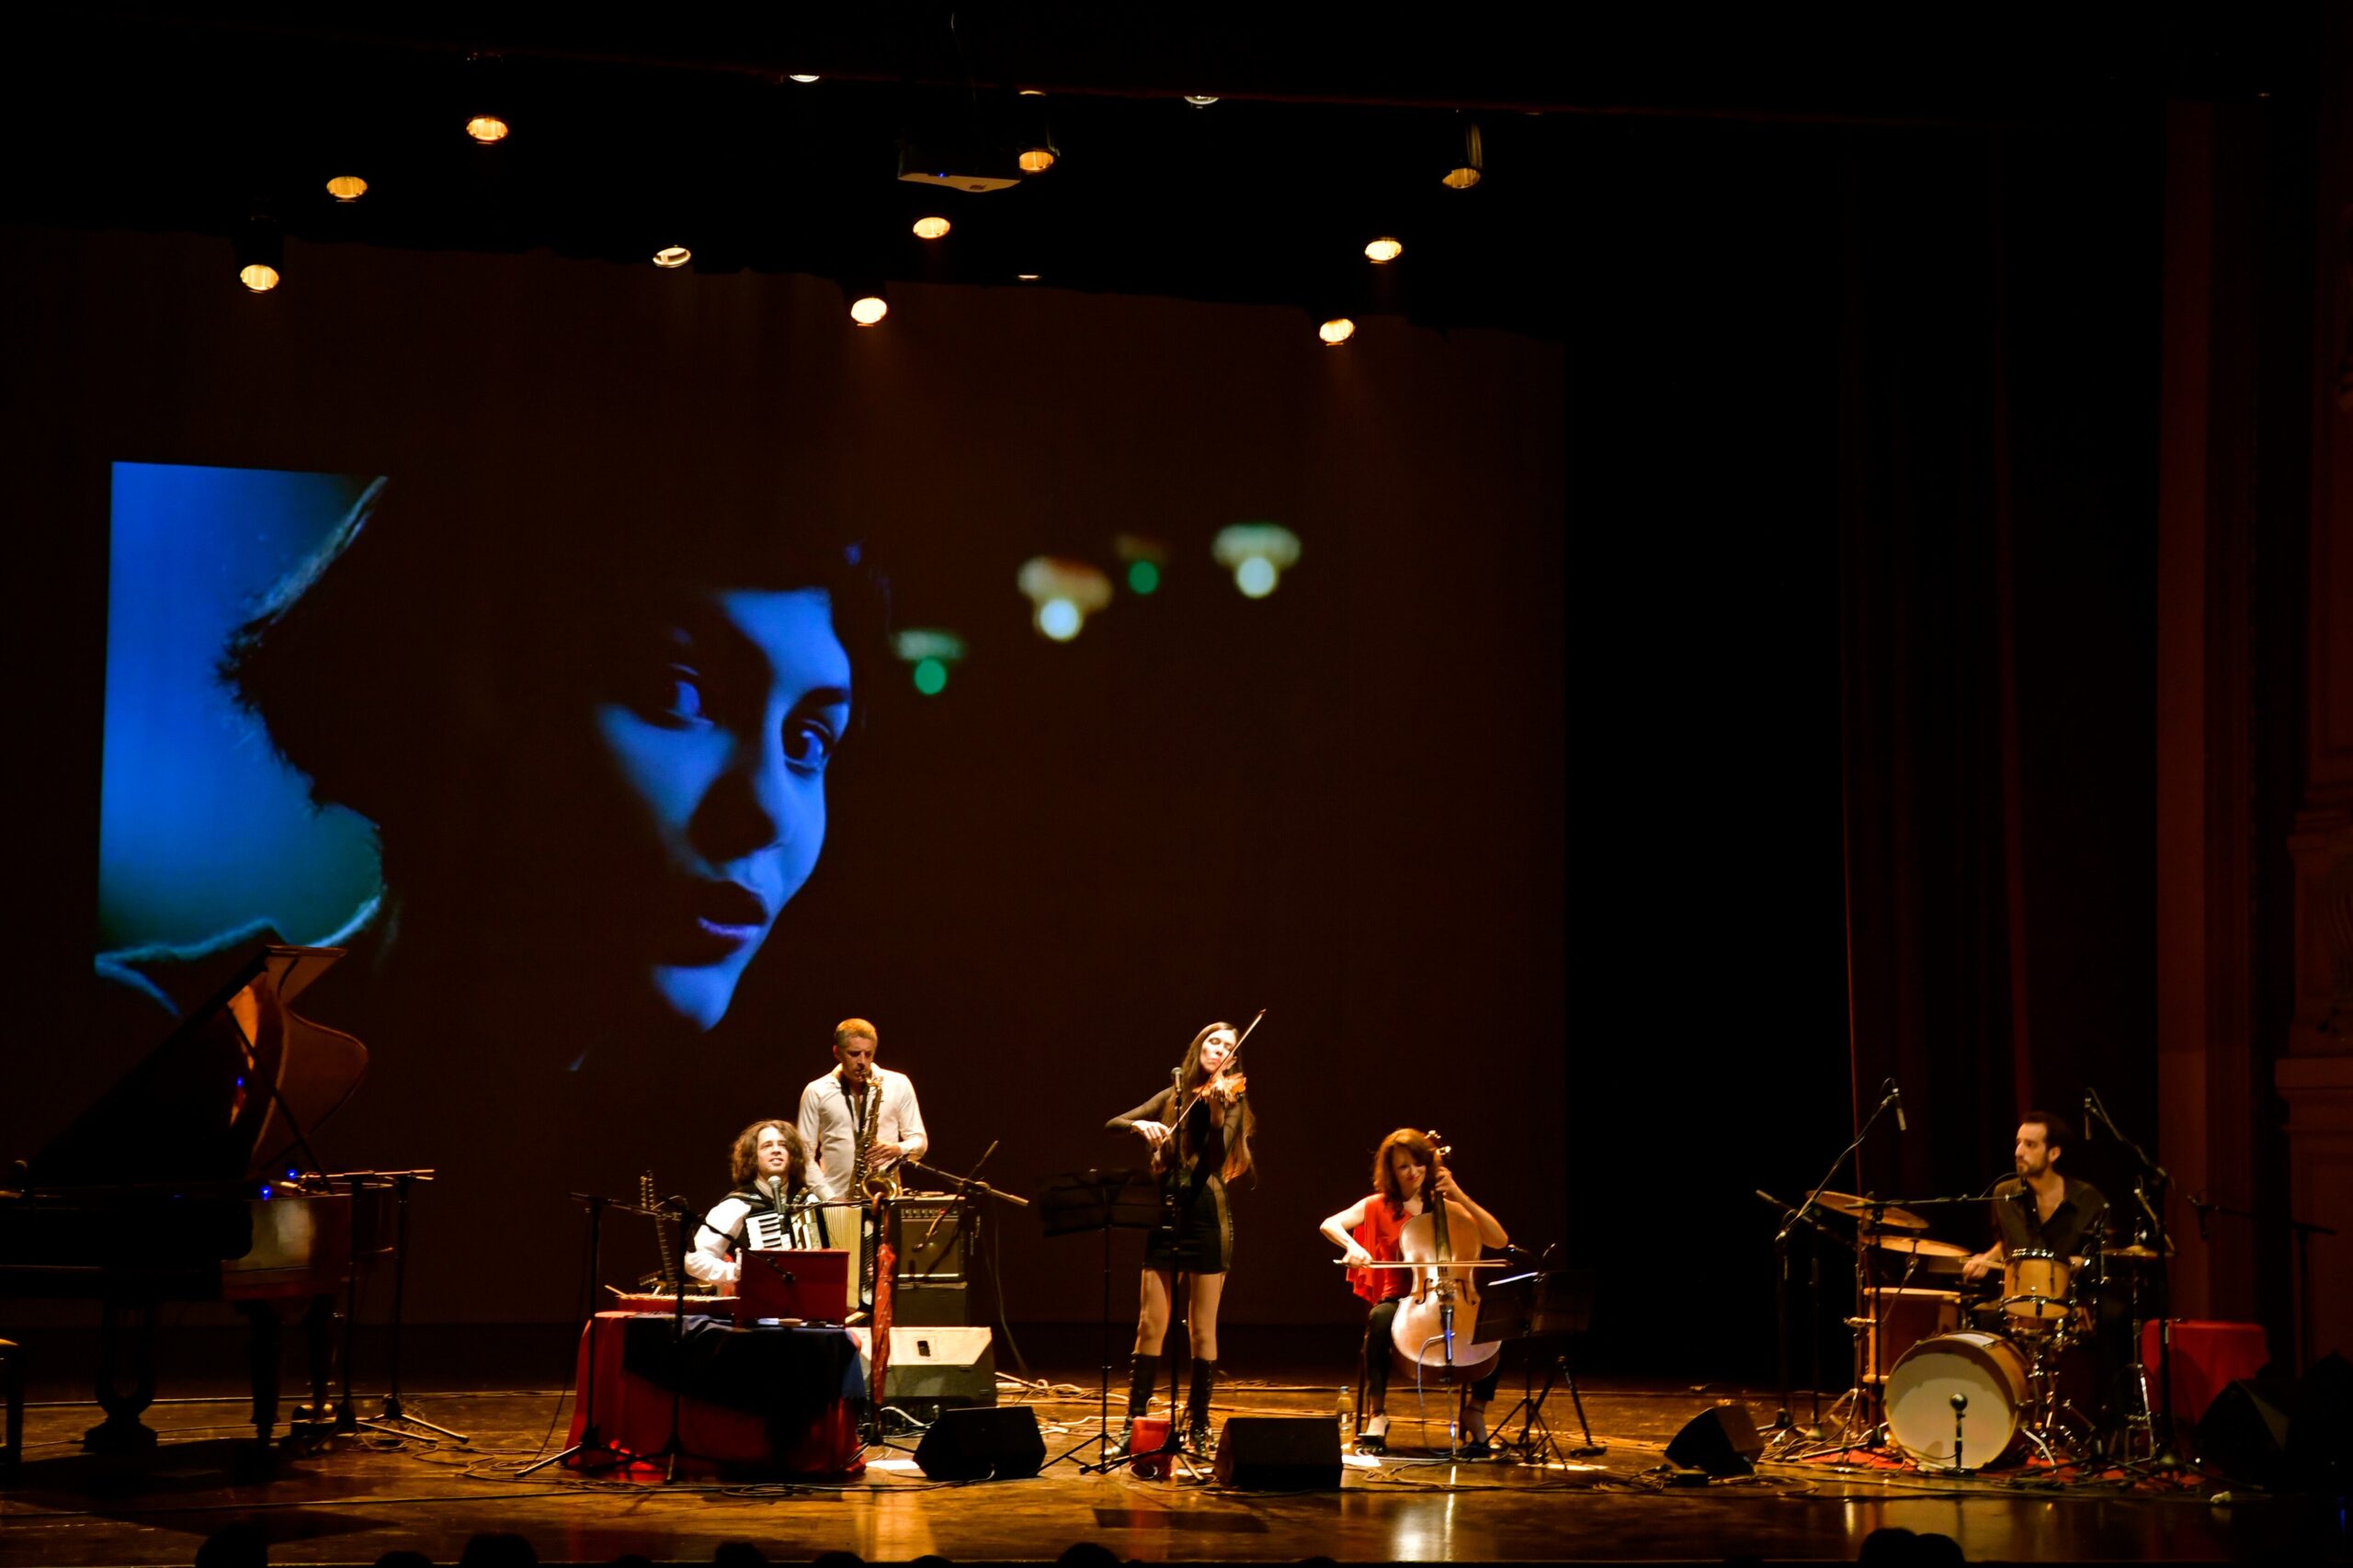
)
(1406, 1173)
(1198, 1131)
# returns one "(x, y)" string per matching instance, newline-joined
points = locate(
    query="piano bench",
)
(12, 1383)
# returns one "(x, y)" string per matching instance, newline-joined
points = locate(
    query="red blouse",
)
(1377, 1235)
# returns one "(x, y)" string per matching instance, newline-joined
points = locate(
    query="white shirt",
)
(712, 1258)
(830, 1139)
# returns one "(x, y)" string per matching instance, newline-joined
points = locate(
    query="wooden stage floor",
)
(353, 1501)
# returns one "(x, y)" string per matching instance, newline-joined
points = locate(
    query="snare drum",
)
(2037, 1291)
(1987, 1369)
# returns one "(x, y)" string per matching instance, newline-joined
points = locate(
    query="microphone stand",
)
(1814, 1311)
(972, 1187)
(592, 1436)
(2152, 1174)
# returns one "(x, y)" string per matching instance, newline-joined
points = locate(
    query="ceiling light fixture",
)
(670, 256)
(1383, 250)
(1199, 100)
(261, 254)
(932, 228)
(1336, 331)
(347, 189)
(1470, 163)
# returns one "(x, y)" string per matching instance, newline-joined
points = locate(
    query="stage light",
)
(868, 309)
(261, 254)
(482, 84)
(1336, 331)
(1383, 250)
(1061, 594)
(802, 80)
(931, 228)
(673, 255)
(1033, 141)
(1199, 100)
(1144, 557)
(1258, 554)
(1470, 163)
(1031, 92)
(929, 652)
(346, 187)
(1028, 276)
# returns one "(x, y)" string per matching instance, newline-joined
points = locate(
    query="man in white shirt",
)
(834, 1108)
(767, 1166)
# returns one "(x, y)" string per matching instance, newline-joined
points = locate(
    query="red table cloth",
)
(772, 1401)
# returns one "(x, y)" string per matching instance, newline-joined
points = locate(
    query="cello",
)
(1435, 1325)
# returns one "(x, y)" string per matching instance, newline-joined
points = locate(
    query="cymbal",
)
(1890, 1217)
(2133, 1255)
(1922, 1246)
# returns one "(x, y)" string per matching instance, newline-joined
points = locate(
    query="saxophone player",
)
(858, 1121)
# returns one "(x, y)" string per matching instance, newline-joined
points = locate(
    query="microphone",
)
(2198, 1202)
(1895, 1098)
(2087, 1116)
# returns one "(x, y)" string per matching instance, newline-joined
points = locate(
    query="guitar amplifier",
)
(933, 1236)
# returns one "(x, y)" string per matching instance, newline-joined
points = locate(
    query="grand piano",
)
(247, 1215)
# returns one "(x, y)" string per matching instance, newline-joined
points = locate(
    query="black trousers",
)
(1376, 1326)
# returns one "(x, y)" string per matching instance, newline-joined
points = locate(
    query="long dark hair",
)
(1239, 1121)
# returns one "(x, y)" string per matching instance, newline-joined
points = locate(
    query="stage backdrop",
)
(488, 614)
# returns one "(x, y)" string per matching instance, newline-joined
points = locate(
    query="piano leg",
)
(261, 1360)
(122, 1431)
(316, 1420)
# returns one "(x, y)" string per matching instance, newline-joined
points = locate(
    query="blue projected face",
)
(721, 729)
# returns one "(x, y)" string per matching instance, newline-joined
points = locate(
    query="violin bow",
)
(1243, 1036)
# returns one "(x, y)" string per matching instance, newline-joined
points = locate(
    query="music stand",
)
(1075, 1202)
(1558, 1304)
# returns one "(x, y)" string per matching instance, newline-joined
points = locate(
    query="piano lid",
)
(235, 1086)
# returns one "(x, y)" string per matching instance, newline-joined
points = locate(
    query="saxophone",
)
(874, 1186)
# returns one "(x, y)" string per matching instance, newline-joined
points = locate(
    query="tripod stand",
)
(1103, 1202)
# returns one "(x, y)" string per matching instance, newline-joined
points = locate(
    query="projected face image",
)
(720, 728)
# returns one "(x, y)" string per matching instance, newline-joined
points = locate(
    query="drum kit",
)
(1957, 1383)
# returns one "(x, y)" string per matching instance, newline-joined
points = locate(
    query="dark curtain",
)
(1995, 541)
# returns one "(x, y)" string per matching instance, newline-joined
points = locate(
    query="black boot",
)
(1198, 1438)
(1144, 1371)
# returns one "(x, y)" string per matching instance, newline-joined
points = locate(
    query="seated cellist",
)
(1367, 1231)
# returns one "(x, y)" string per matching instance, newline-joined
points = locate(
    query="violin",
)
(1437, 1324)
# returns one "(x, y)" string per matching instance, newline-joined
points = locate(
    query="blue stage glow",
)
(202, 828)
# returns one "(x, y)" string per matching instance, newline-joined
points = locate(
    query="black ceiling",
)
(1333, 126)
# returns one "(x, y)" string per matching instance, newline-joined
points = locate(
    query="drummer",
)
(2037, 1209)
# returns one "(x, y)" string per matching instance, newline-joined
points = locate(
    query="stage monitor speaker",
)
(2245, 1432)
(1721, 1440)
(939, 1368)
(976, 1444)
(1280, 1453)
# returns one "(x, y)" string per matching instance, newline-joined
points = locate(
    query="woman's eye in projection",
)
(676, 696)
(809, 744)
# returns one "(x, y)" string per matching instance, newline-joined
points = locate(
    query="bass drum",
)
(1987, 1369)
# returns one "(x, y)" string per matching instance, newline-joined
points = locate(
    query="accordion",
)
(765, 1229)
